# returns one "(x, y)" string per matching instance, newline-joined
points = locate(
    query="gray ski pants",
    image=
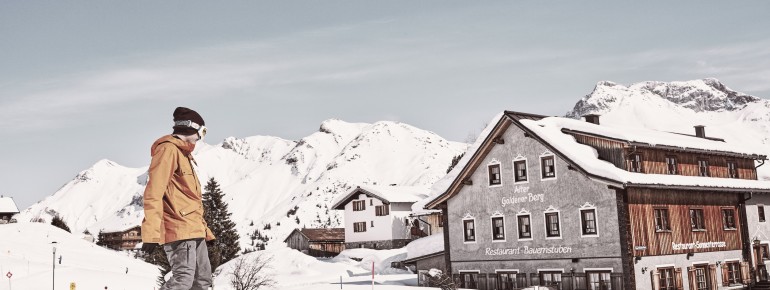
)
(190, 266)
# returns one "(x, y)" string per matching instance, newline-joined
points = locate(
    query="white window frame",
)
(494, 162)
(475, 229)
(540, 160)
(588, 206)
(508, 270)
(492, 227)
(526, 169)
(524, 212)
(551, 209)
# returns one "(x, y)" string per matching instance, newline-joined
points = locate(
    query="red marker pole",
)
(372, 275)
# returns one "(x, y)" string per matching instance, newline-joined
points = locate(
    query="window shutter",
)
(725, 275)
(678, 279)
(655, 276)
(691, 277)
(713, 276)
(745, 274)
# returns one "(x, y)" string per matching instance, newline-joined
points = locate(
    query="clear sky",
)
(83, 81)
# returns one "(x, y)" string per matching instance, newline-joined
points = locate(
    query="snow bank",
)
(425, 246)
(28, 255)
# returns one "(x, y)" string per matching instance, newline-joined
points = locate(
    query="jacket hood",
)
(186, 147)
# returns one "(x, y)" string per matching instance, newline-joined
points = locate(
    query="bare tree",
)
(250, 273)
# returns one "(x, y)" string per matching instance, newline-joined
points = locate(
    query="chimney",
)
(592, 118)
(700, 131)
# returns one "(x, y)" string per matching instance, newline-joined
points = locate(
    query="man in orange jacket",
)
(173, 207)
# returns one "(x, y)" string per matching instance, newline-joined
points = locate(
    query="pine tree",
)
(58, 222)
(217, 216)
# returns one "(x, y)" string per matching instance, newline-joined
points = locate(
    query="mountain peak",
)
(708, 94)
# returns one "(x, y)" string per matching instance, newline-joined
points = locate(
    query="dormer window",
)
(703, 167)
(494, 174)
(672, 165)
(732, 169)
(636, 162)
(548, 168)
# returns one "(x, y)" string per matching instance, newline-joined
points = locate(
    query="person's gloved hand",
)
(149, 247)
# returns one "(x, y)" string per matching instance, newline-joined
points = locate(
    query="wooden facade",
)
(121, 240)
(649, 240)
(426, 224)
(317, 242)
(653, 160)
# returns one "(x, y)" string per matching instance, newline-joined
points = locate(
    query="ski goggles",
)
(191, 124)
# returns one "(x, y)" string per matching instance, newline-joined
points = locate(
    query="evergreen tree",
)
(217, 216)
(58, 222)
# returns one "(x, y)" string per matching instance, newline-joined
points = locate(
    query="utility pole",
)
(53, 264)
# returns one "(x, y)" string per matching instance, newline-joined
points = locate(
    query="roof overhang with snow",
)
(8, 206)
(405, 194)
(582, 158)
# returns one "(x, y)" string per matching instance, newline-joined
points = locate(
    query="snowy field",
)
(26, 252)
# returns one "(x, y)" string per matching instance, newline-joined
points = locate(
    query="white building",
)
(376, 217)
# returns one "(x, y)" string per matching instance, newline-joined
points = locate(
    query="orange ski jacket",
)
(173, 203)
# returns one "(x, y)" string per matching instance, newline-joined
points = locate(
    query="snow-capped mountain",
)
(678, 106)
(272, 185)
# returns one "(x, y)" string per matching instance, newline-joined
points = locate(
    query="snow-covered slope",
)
(26, 251)
(678, 106)
(268, 182)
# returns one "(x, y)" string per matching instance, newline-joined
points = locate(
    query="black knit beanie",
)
(185, 114)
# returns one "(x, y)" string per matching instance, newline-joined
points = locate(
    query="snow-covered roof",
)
(7, 205)
(443, 184)
(552, 130)
(116, 224)
(425, 246)
(651, 137)
(386, 194)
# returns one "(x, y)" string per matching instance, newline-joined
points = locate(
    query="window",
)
(441, 220)
(703, 167)
(372, 225)
(381, 210)
(359, 205)
(728, 218)
(371, 201)
(636, 162)
(550, 278)
(359, 227)
(525, 231)
(498, 229)
(732, 271)
(696, 219)
(661, 220)
(470, 231)
(598, 280)
(507, 280)
(588, 221)
(494, 174)
(520, 170)
(701, 278)
(765, 251)
(732, 170)
(761, 212)
(548, 169)
(666, 279)
(671, 165)
(469, 279)
(552, 225)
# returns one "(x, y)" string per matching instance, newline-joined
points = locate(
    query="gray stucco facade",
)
(566, 194)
